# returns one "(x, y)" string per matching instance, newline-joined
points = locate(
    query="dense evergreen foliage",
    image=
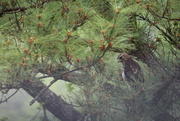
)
(78, 41)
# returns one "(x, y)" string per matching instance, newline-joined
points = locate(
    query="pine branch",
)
(58, 76)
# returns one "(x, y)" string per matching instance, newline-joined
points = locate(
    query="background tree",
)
(78, 41)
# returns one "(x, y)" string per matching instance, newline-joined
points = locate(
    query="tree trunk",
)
(53, 103)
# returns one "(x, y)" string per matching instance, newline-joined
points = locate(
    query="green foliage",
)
(42, 36)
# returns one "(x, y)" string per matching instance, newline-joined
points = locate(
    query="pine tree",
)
(78, 41)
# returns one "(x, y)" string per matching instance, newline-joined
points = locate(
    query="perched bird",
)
(131, 71)
(134, 79)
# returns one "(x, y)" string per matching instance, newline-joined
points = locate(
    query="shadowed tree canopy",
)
(78, 41)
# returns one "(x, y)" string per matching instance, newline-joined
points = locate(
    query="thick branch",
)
(54, 104)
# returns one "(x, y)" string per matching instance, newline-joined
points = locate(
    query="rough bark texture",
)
(53, 103)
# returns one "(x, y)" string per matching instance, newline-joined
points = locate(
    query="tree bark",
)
(53, 103)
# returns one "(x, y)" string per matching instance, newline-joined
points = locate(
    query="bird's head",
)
(123, 57)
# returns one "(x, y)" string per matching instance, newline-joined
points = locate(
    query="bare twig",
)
(13, 10)
(9, 96)
(36, 115)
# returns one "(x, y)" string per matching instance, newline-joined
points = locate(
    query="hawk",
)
(131, 71)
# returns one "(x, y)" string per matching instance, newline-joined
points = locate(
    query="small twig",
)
(17, 22)
(22, 9)
(82, 67)
(9, 96)
(45, 114)
(36, 115)
(43, 90)
(13, 10)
